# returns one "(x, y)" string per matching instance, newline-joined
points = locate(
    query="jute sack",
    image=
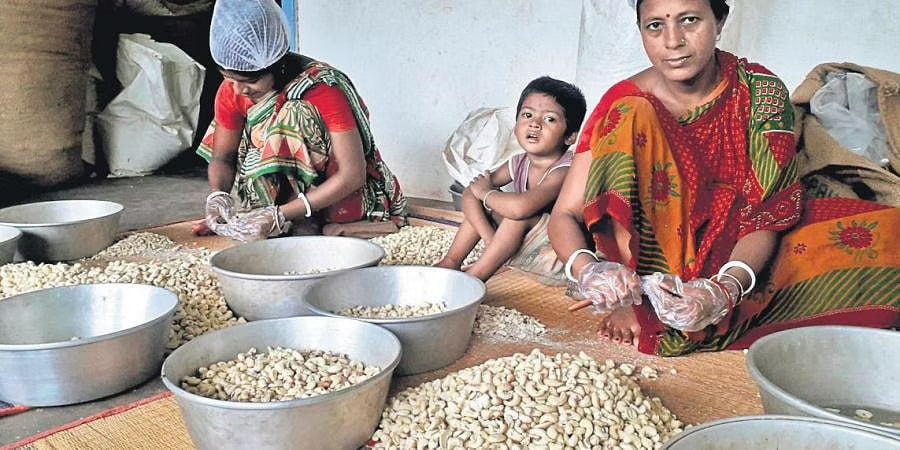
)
(827, 168)
(44, 56)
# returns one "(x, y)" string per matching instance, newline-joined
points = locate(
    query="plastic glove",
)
(609, 286)
(255, 224)
(690, 306)
(219, 209)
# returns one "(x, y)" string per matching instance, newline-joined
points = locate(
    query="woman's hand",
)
(219, 209)
(481, 185)
(607, 286)
(690, 306)
(255, 225)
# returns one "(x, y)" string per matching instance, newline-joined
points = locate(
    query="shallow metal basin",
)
(9, 242)
(255, 276)
(804, 370)
(429, 342)
(63, 230)
(73, 344)
(780, 433)
(343, 419)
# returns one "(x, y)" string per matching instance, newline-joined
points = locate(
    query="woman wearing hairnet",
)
(292, 134)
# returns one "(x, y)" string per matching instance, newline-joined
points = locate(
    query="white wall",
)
(422, 65)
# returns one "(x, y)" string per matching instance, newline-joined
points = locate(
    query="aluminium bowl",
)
(9, 242)
(429, 342)
(63, 230)
(343, 419)
(266, 279)
(780, 433)
(803, 371)
(73, 344)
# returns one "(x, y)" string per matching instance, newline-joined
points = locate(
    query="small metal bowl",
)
(63, 230)
(342, 419)
(9, 242)
(429, 342)
(266, 279)
(73, 344)
(805, 370)
(780, 432)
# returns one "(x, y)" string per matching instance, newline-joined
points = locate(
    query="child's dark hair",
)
(719, 7)
(566, 94)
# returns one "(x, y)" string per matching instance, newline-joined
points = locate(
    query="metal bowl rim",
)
(781, 417)
(103, 337)
(799, 403)
(16, 233)
(118, 210)
(282, 277)
(447, 313)
(226, 404)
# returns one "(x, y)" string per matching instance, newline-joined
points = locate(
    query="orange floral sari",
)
(687, 189)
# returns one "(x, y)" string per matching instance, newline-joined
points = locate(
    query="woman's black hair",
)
(719, 7)
(566, 94)
(284, 70)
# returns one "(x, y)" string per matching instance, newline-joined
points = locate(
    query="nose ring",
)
(682, 42)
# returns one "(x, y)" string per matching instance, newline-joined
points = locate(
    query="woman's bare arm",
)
(347, 153)
(566, 228)
(223, 165)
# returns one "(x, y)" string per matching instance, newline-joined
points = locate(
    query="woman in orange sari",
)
(685, 180)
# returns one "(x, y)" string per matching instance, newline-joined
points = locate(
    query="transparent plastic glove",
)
(219, 209)
(609, 286)
(690, 306)
(255, 225)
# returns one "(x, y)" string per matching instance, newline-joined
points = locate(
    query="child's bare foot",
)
(620, 326)
(448, 263)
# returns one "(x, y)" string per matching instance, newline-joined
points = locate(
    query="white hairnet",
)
(248, 35)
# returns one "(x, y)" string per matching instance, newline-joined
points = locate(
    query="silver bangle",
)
(484, 199)
(309, 210)
(568, 267)
(740, 286)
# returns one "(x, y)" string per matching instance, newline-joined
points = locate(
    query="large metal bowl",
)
(429, 342)
(73, 344)
(63, 230)
(805, 370)
(780, 433)
(343, 419)
(256, 277)
(9, 242)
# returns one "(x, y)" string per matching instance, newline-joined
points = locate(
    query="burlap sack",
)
(45, 51)
(830, 170)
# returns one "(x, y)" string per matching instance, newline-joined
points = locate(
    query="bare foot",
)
(199, 228)
(620, 326)
(448, 263)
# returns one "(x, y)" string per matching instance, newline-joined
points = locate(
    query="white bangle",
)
(309, 210)
(741, 265)
(571, 260)
(484, 199)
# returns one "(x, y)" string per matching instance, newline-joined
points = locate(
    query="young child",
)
(549, 114)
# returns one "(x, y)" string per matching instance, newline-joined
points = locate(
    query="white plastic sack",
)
(847, 107)
(154, 118)
(482, 142)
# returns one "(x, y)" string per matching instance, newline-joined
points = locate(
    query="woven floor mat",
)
(153, 423)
